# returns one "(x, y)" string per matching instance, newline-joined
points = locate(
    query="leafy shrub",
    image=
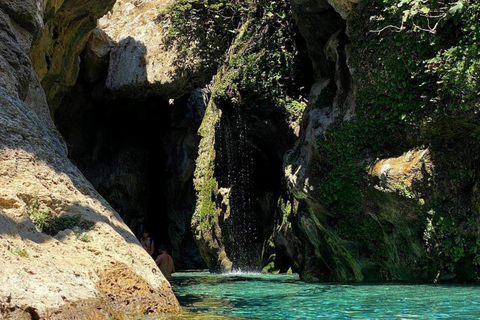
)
(202, 31)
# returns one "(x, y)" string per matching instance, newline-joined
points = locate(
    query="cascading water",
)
(234, 171)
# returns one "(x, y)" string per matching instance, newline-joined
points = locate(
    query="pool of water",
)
(277, 297)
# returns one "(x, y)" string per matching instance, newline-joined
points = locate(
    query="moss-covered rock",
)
(248, 126)
(413, 87)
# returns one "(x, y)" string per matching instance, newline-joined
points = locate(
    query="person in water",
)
(147, 243)
(165, 262)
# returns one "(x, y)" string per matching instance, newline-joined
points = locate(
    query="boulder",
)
(64, 252)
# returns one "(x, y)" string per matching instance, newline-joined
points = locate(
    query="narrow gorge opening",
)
(138, 149)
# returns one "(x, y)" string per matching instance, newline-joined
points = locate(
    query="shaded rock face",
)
(58, 234)
(317, 252)
(55, 51)
(247, 169)
(181, 147)
(142, 161)
(17, 77)
(317, 22)
(97, 56)
(127, 67)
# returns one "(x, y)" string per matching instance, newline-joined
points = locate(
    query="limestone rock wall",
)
(141, 63)
(55, 52)
(52, 274)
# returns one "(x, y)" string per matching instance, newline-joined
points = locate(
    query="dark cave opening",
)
(127, 149)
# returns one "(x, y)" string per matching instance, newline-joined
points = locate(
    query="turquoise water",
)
(278, 297)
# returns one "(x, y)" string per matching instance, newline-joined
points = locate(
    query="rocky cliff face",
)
(330, 143)
(369, 193)
(65, 252)
(308, 157)
(367, 172)
(64, 27)
(131, 123)
(144, 61)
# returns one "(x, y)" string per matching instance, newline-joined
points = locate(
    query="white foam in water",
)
(241, 272)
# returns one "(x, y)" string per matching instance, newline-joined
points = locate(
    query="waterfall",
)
(235, 172)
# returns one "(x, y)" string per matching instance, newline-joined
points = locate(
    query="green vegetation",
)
(452, 244)
(255, 40)
(47, 222)
(204, 181)
(20, 252)
(427, 67)
(417, 74)
(259, 68)
(82, 236)
(202, 31)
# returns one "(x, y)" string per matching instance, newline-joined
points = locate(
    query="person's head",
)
(162, 249)
(145, 234)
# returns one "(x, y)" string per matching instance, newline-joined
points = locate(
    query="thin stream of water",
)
(278, 297)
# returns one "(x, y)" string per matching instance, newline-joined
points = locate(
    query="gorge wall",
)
(65, 252)
(379, 183)
(335, 138)
(307, 157)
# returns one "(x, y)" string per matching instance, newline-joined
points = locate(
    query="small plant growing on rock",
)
(47, 222)
(20, 252)
(83, 237)
(80, 233)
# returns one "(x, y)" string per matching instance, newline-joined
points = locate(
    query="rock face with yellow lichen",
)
(61, 243)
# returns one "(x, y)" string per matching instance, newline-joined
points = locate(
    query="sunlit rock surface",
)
(141, 63)
(58, 275)
(406, 174)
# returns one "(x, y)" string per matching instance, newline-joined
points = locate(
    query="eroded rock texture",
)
(369, 191)
(142, 63)
(55, 52)
(59, 236)
(368, 172)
